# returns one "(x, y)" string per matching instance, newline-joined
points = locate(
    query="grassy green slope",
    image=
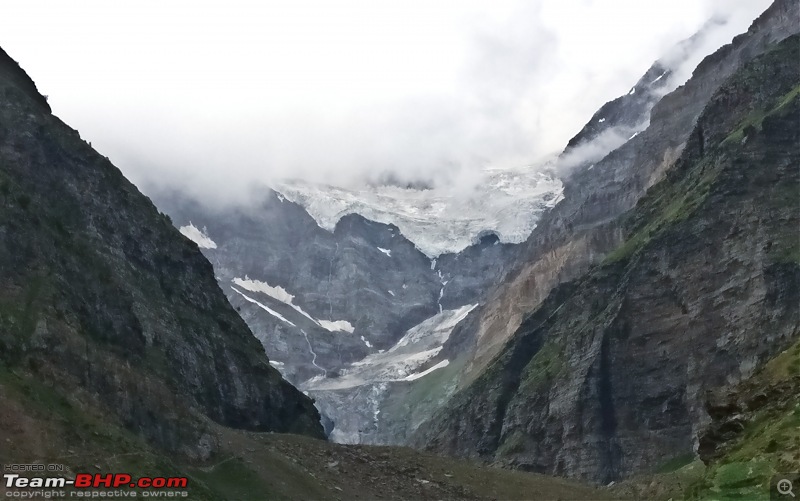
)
(768, 442)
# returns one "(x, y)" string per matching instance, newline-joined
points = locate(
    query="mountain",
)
(381, 301)
(669, 269)
(348, 313)
(636, 321)
(103, 302)
(120, 353)
(355, 291)
(582, 229)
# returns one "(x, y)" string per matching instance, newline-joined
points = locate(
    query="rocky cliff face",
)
(99, 293)
(607, 376)
(583, 228)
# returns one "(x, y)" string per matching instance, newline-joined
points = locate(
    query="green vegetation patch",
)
(676, 463)
(434, 386)
(734, 481)
(785, 241)
(755, 119)
(544, 366)
(769, 444)
(784, 366)
(19, 314)
(665, 205)
(512, 444)
(423, 396)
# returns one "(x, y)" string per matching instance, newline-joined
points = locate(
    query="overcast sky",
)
(217, 95)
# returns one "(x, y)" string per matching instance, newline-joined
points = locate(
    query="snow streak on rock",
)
(202, 240)
(440, 365)
(264, 307)
(280, 294)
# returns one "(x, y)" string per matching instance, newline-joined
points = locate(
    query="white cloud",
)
(214, 95)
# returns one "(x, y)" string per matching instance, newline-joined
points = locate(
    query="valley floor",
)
(39, 425)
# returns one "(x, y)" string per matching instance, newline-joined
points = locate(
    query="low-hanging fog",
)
(215, 97)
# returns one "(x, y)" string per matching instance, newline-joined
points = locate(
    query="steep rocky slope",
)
(102, 297)
(754, 432)
(608, 375)
(751, 442)
(581, 229)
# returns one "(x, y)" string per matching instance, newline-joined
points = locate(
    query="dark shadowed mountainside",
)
(100, 296)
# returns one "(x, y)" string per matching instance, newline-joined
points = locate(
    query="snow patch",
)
(659, 78)
(264, 307)
(385, 251)
(414, 377)
(441, 291)
(391, 293)
(366, 342)
(202, 240)
(632, 92)
(633, 136)
(280, 294)
(336, 325)
(602, 120)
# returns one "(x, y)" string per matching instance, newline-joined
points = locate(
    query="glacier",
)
(508, 203)
(420, 344)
